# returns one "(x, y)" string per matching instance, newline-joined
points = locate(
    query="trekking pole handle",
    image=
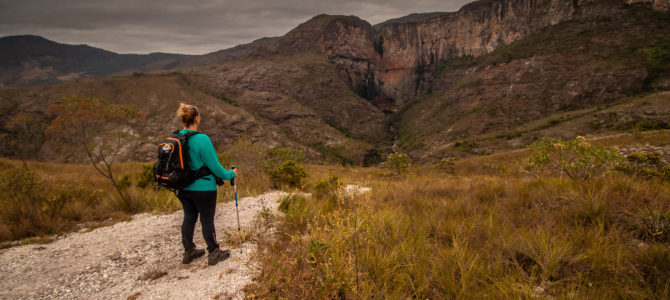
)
(232, 181)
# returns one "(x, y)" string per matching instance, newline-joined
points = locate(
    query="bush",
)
(21, 196)
(398, 162)
(124, 182)
(643, 164)
(288, 174)
(646, 125)
(276, 157)
(291, 202)
(447, 164)
(282, 167)
(652, 225)
(30, 207)
(146, 177)
(328, 188)
(578, 158)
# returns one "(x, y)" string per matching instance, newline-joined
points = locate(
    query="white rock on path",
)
(119, 261)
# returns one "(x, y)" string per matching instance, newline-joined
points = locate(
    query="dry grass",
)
(56, 198)
(493, 231)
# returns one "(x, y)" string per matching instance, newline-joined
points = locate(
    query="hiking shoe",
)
(189, 256)
(217, 256)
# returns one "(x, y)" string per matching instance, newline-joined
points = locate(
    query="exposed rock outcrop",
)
(383, 63)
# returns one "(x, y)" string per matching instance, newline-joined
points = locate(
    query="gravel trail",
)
(140, 259)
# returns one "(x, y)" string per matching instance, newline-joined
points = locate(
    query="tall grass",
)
(492, 233)
(50, 198)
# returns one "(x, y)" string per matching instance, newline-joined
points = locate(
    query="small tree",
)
(100, 129)
(398, 162)
(24, 135)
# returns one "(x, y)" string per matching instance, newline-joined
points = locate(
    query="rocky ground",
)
(138, 259)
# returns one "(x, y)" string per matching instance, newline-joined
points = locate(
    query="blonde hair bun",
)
(187, 113)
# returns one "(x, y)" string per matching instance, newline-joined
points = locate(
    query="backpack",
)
(173, 169)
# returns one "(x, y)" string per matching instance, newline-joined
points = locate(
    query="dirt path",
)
(139, 258)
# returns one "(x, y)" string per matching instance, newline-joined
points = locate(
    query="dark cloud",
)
(182, 26)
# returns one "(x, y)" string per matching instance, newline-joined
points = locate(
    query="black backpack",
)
(173, 169)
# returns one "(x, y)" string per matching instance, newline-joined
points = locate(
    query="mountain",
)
(229, 54)
(30, 60)
(434, 85)
(591, 61)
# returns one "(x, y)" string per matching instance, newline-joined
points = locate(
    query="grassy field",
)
(482, 227)
(489, 229)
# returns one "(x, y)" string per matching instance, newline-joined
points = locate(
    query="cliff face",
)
(477, 29)
(384, 64)
(523, 91)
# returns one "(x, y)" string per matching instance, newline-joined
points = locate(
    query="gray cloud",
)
(182, 26)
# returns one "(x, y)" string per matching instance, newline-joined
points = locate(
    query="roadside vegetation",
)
(563, 218)
(40, 199)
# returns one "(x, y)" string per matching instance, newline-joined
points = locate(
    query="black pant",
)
(194, 202)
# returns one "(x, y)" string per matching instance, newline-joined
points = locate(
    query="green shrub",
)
(124, 182)
(447, 164)
(465, 144)
(146, 177)
(578, 158)
(288, 174)
(652, 225)
(328, 188)
(291, 202)
(646, 165)
(646, 125)
(644, 158)
(276, 157)
(398, 162)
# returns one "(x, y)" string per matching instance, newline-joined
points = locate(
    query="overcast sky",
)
(182, 26)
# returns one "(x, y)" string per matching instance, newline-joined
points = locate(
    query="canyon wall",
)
(384, 64)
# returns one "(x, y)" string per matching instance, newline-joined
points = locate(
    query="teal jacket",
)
(201, 152)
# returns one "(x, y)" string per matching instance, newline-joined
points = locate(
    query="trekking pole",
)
(237, 209)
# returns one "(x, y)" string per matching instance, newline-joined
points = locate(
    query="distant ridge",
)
(412, 18)
(30, 60)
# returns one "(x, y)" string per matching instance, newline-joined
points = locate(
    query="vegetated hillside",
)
(30, 60)
(574, 65)
(298, 102)
(304, 95)
(157, 96)
(326, 85)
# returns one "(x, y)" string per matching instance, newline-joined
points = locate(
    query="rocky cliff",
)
(384, 63)
(476, 29)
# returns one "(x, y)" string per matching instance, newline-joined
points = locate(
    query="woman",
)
(200, 197)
